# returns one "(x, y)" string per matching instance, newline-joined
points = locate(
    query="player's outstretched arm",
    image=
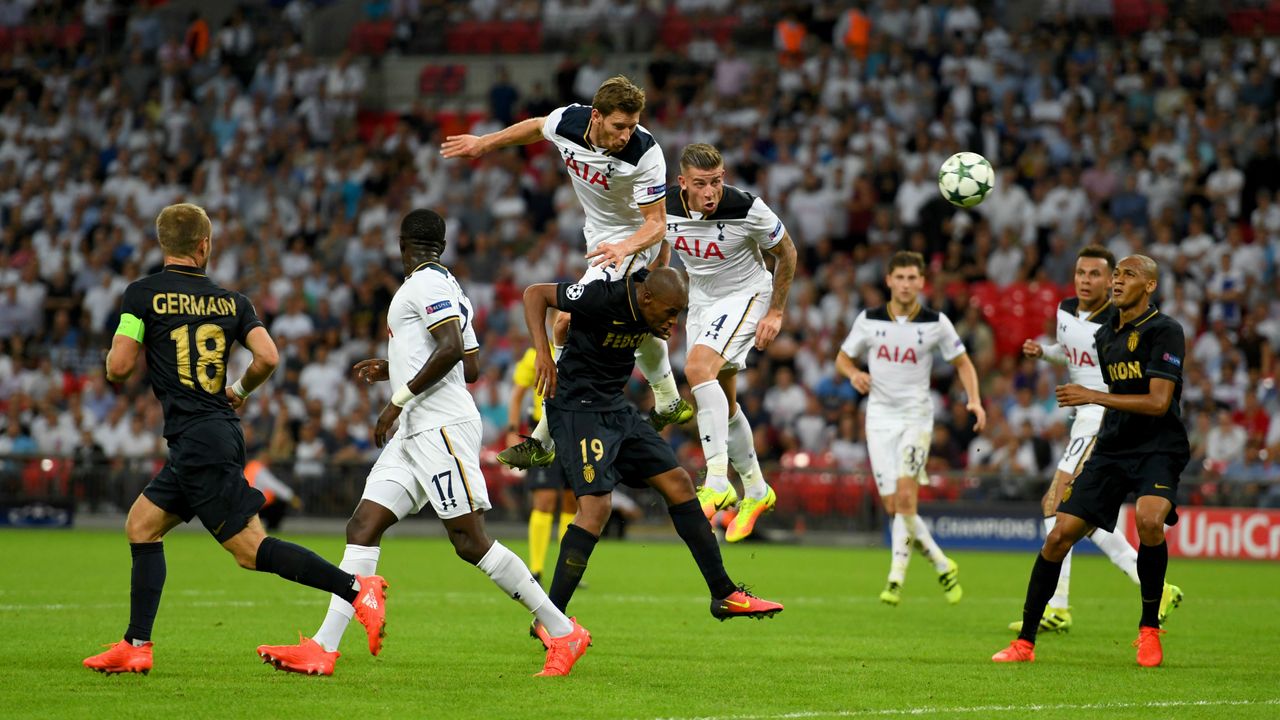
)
(969, 379)
(847, 367)
(122, 358)
(1154, 402)
(1049, 353)
(537, 300)
(651, 232)
(784, 271)
(525, 132)
(266, 358)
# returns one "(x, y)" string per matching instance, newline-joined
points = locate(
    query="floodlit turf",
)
(456, 648)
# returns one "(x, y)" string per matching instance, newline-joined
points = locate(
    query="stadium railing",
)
(810, 498)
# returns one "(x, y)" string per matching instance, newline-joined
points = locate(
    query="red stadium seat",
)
(676, 32)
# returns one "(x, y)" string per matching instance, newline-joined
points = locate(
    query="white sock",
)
(1061, 595)
(924, 541)
(357, 560)
(713, 427)
(742, 453)
(540, 431)
(508, 572)
(655, 364)
(900, 541)
(1117, 548)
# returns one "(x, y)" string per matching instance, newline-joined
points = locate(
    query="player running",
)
(898, 340)
(434, 457)
(1078, 320)
(1142, 448)
(620, 177)
(605, 441)
(720, 233)
(186, 323)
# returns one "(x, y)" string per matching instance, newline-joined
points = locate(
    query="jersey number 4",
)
(210, 367)
(716, 327)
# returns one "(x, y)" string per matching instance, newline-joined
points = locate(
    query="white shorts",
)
(728, 326)
(630, 265)
(1084, 433)
(897, 450)
(440, 466)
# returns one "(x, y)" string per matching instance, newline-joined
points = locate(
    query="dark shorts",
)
(599, 450)
(1106, 480)
(204, 477)
(550, 477)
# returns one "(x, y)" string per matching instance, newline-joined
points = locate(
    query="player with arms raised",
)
(720, 233)
(1078, 320)
(898, 340)
(433, 458)
(186, 323)
(620, 177)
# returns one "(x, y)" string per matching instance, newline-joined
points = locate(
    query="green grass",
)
(457, 648)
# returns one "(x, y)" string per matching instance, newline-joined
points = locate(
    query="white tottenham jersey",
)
(722, 251)
(1076, 347)
(899, 356)
(429, 298)
(612, 187)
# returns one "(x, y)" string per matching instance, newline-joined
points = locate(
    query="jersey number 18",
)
(211, 347)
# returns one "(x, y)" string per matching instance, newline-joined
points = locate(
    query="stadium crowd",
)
(1162, 142)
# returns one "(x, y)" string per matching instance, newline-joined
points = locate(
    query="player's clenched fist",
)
(1032, 349)
(861, 381)
(372, 370)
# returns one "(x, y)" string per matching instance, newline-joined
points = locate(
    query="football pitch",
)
(456, 648)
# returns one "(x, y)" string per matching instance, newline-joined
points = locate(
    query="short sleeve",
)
(248, 319)
(763, 225)
(551, 122)
(133, 308)
(856, 343)
(588, 300)
(1168, 348)
(949, 342)
(438, 303)
(651, 180)
(470, 343)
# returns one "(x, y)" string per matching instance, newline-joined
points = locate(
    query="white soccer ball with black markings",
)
(965, 179)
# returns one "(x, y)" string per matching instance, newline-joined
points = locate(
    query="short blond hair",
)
(700, 156)
(181, 227)
(618, 93)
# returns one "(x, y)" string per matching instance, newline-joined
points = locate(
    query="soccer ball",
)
(965, 179)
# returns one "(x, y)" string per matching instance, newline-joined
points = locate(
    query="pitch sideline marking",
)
(931, 710)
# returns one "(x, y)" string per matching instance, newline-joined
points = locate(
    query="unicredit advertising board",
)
(1201, 532)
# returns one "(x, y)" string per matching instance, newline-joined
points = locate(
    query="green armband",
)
(130, 326)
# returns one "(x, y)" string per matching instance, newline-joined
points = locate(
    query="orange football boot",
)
(563, 652)
(122, 657)
(1150, 654)
(371, 610)
(308, 657)
(1018, 651)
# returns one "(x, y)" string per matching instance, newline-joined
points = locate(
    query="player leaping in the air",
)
(1078, 320)
(434, 457)
(620, 177)
(604, 439)
(186, 324)
(720, 233)
(898, 340)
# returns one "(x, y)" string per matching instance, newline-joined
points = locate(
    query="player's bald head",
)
(1144, 265)
(667, 286)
